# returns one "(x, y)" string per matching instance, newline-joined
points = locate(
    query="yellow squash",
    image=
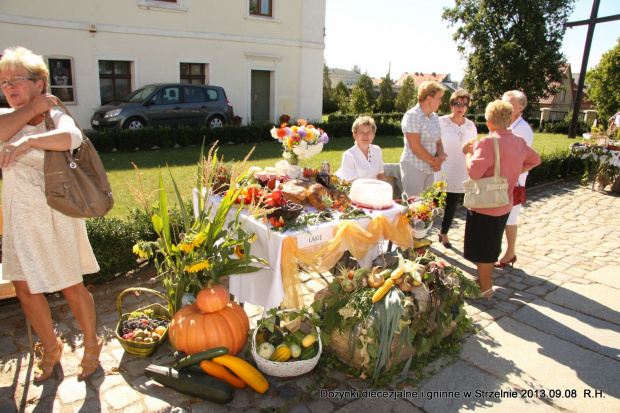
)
(244, 371)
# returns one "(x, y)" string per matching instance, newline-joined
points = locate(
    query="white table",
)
(264, 288)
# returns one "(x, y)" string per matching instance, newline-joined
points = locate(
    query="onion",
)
(374, 279)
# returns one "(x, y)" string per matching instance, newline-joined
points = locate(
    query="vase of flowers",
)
(301, 141)
(423, 209)
(201, 252)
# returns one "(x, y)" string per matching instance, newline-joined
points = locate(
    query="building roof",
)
(419, 78)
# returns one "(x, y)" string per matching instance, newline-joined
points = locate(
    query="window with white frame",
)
(114, 80)
(263, 8)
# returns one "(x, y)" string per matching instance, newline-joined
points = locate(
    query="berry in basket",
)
(143, 327)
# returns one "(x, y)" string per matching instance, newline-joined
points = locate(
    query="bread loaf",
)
(296, 191)
(315, 194)
(341, 197)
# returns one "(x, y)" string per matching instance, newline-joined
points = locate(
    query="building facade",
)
(266, 54)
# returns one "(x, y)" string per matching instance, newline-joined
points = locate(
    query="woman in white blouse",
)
(455, 131)
(363, 160)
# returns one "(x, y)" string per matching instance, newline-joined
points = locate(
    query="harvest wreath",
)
(374, 319)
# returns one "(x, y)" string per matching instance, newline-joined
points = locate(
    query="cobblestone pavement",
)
(553, 326)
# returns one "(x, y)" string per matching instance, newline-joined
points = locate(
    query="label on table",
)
(316, 237)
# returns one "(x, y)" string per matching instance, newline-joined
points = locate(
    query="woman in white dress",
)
(364, 160)
(456, 129)
(43, 250)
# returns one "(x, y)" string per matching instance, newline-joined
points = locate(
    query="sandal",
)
(48, 361)
(89, 365)
(484, 294)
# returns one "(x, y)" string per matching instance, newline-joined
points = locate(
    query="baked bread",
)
(296, 191)
(316, 193)
(341, 197)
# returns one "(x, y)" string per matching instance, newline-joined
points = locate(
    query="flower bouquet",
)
(301, 141)
(206, 249)
(425, 208)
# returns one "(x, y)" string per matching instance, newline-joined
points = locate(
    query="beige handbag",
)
(491, 192)
(76, 183)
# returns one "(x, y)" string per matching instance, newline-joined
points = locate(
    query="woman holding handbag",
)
(484, 227)
(521, 128)
(43, 250)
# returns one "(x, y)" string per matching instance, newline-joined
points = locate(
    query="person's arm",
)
(414, 141)
(347, 170)
(11, 123)
(55, 140)
(531, 160)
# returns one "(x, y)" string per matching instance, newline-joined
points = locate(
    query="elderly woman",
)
(423, 153)
(520, 128)
(484, 227)
(363, 160)
(42, 250)
(456, 129)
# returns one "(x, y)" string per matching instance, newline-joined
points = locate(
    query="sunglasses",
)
(461, 105)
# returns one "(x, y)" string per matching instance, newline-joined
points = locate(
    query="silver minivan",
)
(166, 104)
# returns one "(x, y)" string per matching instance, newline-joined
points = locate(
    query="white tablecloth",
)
(264, 288)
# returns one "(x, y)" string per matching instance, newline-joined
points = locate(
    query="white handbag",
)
(491, 192)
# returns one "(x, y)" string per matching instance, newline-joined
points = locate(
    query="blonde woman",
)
(42, 250)
(364, 160)
(423, 153)
(484, 226)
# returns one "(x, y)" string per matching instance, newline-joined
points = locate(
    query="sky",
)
(410, 36)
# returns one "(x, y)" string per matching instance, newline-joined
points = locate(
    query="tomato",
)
(277, 194)
(270, 202)
(253, 192)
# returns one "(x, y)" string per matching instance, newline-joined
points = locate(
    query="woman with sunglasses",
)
(456, 129)
(43, 250)
(364, 160)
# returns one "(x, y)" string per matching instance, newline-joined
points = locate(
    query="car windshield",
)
(139, 95)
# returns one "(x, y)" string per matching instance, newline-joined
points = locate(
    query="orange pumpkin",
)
(212, 299)
(192, 330)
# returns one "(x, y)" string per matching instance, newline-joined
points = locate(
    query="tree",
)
(604, 81)
(341, 97)
(445, 108)
(359, 100)
(365, 83)
(329, 105)
(407, 96)
(511, 45)
(385, 103)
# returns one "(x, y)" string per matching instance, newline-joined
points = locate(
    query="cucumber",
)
(192, 383)
(196, 358)
(179, 355)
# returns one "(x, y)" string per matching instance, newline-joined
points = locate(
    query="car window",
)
(212, 94)
(171, 95)
(194, 94)
(140, 94)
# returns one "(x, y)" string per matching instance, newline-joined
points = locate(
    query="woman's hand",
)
(468, 147)
(12, 151)
(42, 103)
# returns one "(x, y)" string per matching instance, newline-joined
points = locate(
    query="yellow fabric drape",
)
(348, 235)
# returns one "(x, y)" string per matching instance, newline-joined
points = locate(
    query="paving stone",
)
(589, 332)
(530, 359)
(537, 290)
(92, 407)
(607, 276)
(462, 387)
(121, 397)
(321, 406)
(72, 390)
(599, 301)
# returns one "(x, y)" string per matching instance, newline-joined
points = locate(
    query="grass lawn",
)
(183, 164)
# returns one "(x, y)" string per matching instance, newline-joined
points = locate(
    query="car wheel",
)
(134, 124)
(215, 122)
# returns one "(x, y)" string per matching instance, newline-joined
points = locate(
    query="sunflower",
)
(191, 241)
(240, 251)
(203, 265)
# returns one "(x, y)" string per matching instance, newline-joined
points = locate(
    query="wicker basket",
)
(288, 368)
(136, 348)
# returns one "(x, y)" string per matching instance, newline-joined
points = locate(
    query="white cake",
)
(371, 193)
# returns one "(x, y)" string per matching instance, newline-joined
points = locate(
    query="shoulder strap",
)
(497, 160)
(49, 123)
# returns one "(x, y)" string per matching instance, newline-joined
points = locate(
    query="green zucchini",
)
(179, 355)
(192, 383)
(310, 352)
(196, 358)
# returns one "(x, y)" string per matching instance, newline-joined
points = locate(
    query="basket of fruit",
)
(286, 351)
(143, 331)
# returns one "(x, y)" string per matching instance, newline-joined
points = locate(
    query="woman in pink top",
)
(484, 227)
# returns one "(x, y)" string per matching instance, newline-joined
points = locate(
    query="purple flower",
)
(302, 133)
(288, 131)
(324, 138)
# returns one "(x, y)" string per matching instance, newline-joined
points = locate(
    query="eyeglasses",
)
(461, 105)
(365, 133)
(14, 80)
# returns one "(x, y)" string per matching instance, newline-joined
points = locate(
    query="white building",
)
(267, 54)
